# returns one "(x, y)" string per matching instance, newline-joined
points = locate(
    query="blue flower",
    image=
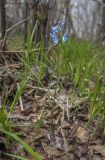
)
(55, 29)
(58, 29)
(54, 38)
(64, 38)
(61, 26)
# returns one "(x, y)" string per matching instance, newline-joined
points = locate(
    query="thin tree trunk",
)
(40, 12)
(103, 18)
(103, 25)
(48, 25)
(34, 21)
(25, 24)
(3, 21)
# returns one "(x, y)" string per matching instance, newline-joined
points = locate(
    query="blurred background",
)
(83, 19)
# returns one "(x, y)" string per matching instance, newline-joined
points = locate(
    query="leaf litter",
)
(32, 119)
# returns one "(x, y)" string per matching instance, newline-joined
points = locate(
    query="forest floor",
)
(52, 121)
(52, 118)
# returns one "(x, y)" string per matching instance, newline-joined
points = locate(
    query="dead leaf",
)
(81, 151)
(34, 107)
(18, 116)
(81, 134)
(65, 124)
(100, 149)
(57, 143)
(51, 151)
(32, 117)
(30, 139)
(68, 156)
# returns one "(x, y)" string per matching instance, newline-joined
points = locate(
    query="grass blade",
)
(14, 156)
(25, 145)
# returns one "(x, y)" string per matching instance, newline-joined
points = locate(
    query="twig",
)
(62, 132)
(11, 28)
(20, 100)
(21, 104)
(21, 51)
(11, 66)
(41, 89)
(68, 108)
(4, 41)
(64, 140)
(15, 25)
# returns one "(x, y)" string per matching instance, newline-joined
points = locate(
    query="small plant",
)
(96, 99)
(7, 125)
(5, 121)
(39, 123)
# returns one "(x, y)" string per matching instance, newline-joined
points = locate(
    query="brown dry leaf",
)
(68, 156)
(51, 151)
(30, 140)
(18, 116)
(43, 100)
(34, 107)
(27, 111)
(81, 134)
(100, 149)
(17, 110)
(81, 151)
(65, 124)
(32, 117)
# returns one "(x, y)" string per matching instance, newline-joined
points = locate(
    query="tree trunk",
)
(103, 18)
(39, 21)
(3, 22)
(103, 25)
(34, 20)
(48, 25)
(26, 23)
